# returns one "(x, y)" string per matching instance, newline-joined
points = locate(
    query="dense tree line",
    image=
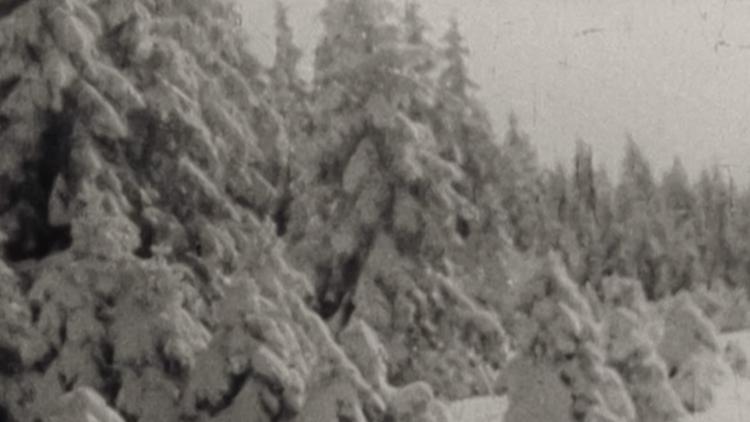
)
(667, 231)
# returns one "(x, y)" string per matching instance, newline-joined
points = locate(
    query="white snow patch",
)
(479, 409)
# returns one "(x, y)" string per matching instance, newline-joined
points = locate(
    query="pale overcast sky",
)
(674, 73)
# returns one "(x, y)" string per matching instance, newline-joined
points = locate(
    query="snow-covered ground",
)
(732, 405)
(481, 409)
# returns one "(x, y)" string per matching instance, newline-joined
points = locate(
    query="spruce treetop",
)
(455, 77)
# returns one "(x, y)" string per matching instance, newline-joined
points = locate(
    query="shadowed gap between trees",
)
(35, 237)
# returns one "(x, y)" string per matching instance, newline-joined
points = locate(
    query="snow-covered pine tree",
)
(415, 34)
(455, 77)
(742, 231)
(378, 209)
(558, 193)
(520, 187)
(716, 201)
(556, 203)
(640, 247)
(288, 88)
(465, 137)
(584, 184)
(463, 121)
(583, 216)
(287, 56)
(611, 237)
(463, 127)
(604, 199)
(291, 98)
(636, 191)
(679, 214)
(677, 194)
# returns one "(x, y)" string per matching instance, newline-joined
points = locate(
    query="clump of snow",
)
(83, 404)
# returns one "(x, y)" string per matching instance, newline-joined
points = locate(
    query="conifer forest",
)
(189, 234)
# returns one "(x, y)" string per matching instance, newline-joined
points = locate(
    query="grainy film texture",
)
(373, 211)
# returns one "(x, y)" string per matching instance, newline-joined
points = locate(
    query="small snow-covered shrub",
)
(728, 308)
(737, 359)
(697, 379)
(632, 329)
(560, 371)
(633, 354)
(691, 349)
(687, 331)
